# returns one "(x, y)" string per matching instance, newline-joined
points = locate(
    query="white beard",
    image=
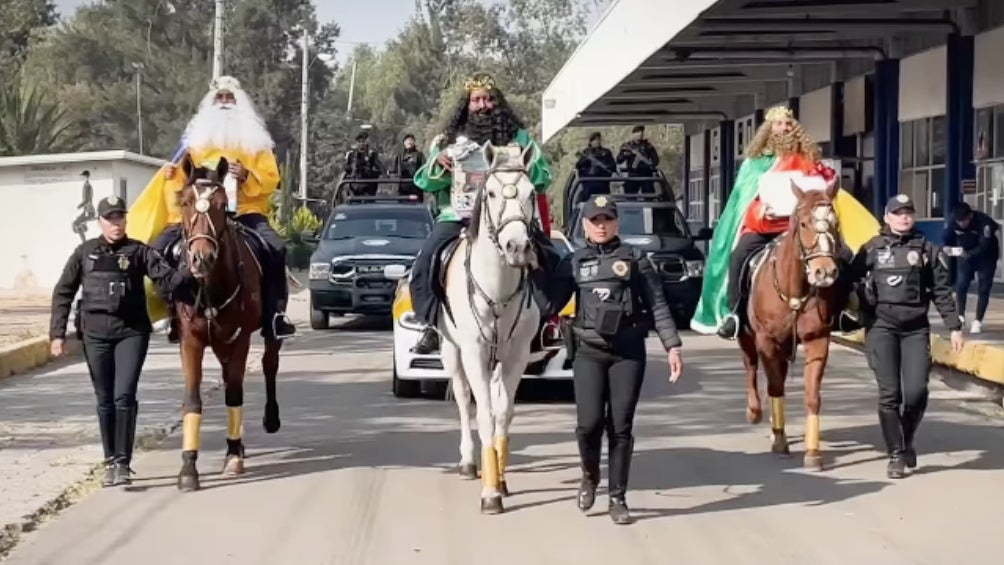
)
(237, 127)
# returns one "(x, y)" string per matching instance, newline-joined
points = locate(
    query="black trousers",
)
(115, 365)
(901, 360)
(607, 388)
(983, 272)
(747, 245)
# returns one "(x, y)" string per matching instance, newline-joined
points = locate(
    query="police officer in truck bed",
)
(617, 296)
(902, 274)
(114, 323)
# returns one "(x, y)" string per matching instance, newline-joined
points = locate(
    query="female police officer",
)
(902, 273)
(114, 323)
(616, 291)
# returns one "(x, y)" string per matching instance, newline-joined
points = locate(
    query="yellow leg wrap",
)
(489, 467)
(777, 413)
(812, 432)
(190, 431)
(235, 421)
(502, 452)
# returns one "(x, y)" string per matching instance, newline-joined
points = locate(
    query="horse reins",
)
(823, 245)
(202, 205)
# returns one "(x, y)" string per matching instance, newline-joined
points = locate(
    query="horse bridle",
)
(202, 207)
(509, 192)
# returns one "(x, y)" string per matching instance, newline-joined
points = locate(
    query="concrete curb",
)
(30, 354)
(146, 440)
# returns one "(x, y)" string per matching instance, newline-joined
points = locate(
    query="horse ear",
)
(529, 156)
(488, 150)
(187, 167)
(222, 166)
(798, 192)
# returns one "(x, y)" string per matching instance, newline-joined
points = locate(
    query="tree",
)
(31, 122)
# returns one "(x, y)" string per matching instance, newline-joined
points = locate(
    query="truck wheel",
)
(318, 319)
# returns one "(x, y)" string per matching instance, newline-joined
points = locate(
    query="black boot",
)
(586, 496)
(729, 328)
(910, 425)
(621, 452)
(106, 425)
(428, 343)
(124, 421)
(172, 324)
(892, 433)
(848, 322)
(590, 457)
(108, 479)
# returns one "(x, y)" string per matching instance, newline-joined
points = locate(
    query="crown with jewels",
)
(481, 81)
(779, 113)
(225, 83)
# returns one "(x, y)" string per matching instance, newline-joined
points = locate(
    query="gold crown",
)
(481, 81)
(779, 113)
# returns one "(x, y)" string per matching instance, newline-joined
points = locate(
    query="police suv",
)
(359, 239)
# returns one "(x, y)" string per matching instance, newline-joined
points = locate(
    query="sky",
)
(359, 21)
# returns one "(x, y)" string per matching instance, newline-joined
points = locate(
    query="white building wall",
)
(44, 198)
(988, 78)
(814, 113)
(922, 85)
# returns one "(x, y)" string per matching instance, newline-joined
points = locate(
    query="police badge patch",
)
(123, 262)
(620, 268)
(913, 258)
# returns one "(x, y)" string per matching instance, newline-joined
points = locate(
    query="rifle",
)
(594, 160)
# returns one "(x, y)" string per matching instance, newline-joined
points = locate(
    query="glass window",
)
(905, 182)
(937, 190)
(938, 134)
(920, 193)
(906, 145)
(376, 223)
(921, 144)
(983, 133)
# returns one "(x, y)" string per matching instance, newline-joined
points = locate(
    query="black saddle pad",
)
(440, 262)
(754, 261)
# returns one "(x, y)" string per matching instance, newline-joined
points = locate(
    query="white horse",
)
(486, 344)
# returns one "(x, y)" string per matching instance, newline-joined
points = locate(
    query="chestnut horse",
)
(227, 310)
(793, 299)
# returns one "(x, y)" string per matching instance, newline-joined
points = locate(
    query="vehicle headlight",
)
(409, 321)
(319, 271)
(695, 268)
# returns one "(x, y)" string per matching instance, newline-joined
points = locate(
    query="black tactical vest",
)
(605, 299)
(897, 276)
(105, 281)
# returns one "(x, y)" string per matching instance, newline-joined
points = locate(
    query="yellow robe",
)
(157, 205)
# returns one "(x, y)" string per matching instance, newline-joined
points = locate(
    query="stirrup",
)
(281, 317)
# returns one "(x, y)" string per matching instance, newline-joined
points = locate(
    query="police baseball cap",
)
(899, 202)
(111, 205)
(601, 205)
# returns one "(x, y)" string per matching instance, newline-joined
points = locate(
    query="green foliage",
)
(31, 122)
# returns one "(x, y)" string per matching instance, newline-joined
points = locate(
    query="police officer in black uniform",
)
(618, 298)
(901, 274)
(975, 234)
(115, 325)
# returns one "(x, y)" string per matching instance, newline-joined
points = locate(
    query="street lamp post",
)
(139, 104)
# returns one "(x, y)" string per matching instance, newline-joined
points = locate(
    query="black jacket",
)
(130, 317)
(646, 287)
(978, 240)
(934, 280)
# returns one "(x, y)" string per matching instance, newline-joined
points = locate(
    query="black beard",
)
(479, 126)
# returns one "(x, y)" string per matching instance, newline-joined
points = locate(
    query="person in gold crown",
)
(482, 115)
(227, 125)
(780, 155)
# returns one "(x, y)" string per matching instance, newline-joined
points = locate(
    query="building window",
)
(696, 211)
(714, 195)
(922, 165)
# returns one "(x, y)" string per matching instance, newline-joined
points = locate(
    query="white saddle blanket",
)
(774, 189)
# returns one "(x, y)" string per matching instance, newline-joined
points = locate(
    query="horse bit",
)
(202, 205)
(509, 192)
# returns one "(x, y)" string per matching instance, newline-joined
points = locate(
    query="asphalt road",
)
(358, 477)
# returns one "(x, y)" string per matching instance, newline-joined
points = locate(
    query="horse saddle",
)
(754, 262)
(177, 258)
(440, 265)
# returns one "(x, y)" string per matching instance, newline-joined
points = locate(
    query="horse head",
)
(816, 230)
(203, 204)
(508, 204)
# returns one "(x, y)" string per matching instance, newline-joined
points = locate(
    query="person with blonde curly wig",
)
(780, 155)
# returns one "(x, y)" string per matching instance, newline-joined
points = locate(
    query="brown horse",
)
(226, 311)
(794, 298)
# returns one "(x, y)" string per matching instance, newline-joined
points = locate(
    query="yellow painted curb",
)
(982, 360)
(32, 353)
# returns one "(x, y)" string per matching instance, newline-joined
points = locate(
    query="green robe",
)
(713, 305)
(540, 176)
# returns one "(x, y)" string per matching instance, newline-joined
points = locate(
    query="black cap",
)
(899, 202)
(111, 205)
(600, 205)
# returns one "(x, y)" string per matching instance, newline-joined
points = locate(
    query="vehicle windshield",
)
(380, 223)
(634, 221)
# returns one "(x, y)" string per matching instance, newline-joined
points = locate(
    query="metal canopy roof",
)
(674, 61)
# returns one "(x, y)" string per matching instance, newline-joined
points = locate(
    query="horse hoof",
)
(780, 447)
(468, 471)
(503, 488)
(271, 420)
(188, 483)
(492, 505)
(813, 462)
(234, 466)
(754, 416)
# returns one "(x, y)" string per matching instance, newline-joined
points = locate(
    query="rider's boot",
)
(428, 343)
(282, 326)
(729, 328)
(172, 325)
